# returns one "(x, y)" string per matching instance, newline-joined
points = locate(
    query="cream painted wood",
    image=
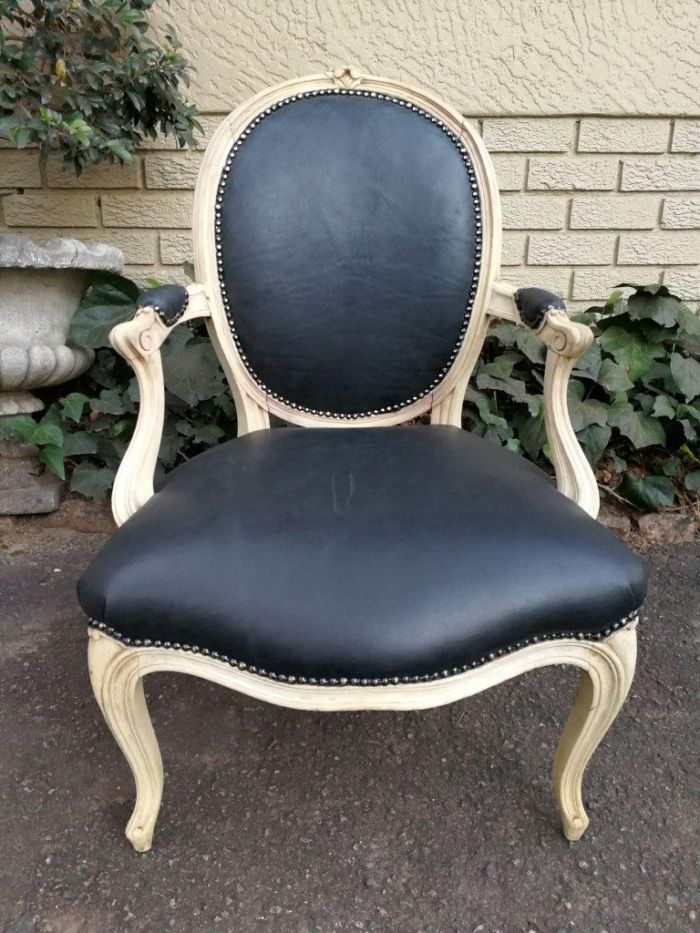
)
(116, 678)
(139, 341)
(607, 668)
(566, 342)
(117, 670)
(603, 687)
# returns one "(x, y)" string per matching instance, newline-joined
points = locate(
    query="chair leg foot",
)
(603, 686)
(118, 686)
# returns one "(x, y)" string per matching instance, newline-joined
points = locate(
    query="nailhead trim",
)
(477, 248)
(363, 681)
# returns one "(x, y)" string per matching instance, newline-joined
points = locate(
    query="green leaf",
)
(484, 406)
(502, 365)
(687, 452)
(21, 136)
(109, 301)
(613, 377)
(643, 400)
(618, 464)
(530, 346)
(630, 350)
(119, 150)
(692, 481)
(688, 411)
(46, 434)
(641, 429)
(649, 492)
(664, 407)
(505, 333)
(73, 405)
(594, 439)
(670, 467)
(110, 450)
(52, 457)
(91, 481)
(658, 307)
(191, 368)
(17, 428)
(689, 429)
(588, 366)
(80, 442)
(532, 435)
(110, 402)
(122, 426)
(686, 372)
(584, 412)
(120, 285)
(689, 321)
(92, 323)
(515, 388)
(208, 434)
(171, 446)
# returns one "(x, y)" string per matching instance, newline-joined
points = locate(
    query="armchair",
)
(347, 237)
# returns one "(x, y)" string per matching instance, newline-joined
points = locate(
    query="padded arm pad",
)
(168, 301)
(534, 303)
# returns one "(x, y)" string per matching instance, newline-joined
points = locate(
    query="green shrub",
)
(86, 79)
(634, 398)
(84, 434)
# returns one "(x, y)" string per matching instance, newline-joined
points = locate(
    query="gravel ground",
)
(287, 821)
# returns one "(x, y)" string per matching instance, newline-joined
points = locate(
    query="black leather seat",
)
(366, 554)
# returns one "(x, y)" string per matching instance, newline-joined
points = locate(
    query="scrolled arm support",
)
(139, 341)
(566, 342)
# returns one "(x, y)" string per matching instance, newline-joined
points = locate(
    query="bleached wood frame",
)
(117, 669)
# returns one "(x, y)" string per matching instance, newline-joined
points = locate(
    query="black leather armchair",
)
(346, 250)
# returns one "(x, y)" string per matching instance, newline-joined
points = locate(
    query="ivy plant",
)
(88, 79)
(634, 398)
(84, 434)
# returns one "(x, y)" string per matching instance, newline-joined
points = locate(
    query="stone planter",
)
(40, 290)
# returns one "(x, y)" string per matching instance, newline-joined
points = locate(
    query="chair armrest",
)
(533, 305)
(168, 301)
(139, 341)
(566, 341)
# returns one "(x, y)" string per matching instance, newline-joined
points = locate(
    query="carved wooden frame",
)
(117, 669)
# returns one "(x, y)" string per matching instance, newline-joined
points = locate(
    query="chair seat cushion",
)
(363, 554)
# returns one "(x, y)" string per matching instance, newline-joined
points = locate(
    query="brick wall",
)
(587, 202)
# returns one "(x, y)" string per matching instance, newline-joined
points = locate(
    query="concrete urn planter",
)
(40, 290)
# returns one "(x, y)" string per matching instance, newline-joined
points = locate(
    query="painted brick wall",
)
(587, 202)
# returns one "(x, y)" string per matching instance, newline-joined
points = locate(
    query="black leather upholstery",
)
(534, 303)
(168, 301)
(348, 235)
(359, 553)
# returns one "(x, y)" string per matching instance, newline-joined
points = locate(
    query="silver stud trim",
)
(464, 155)
(344, 680)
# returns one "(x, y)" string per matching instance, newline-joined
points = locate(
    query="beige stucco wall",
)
(486, 56)
(590, 107)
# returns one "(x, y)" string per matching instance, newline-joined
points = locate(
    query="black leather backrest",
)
(348, 238)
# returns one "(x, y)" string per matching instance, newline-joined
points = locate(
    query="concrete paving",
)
(286, 821)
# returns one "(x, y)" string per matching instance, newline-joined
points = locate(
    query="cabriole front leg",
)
(117, 682)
